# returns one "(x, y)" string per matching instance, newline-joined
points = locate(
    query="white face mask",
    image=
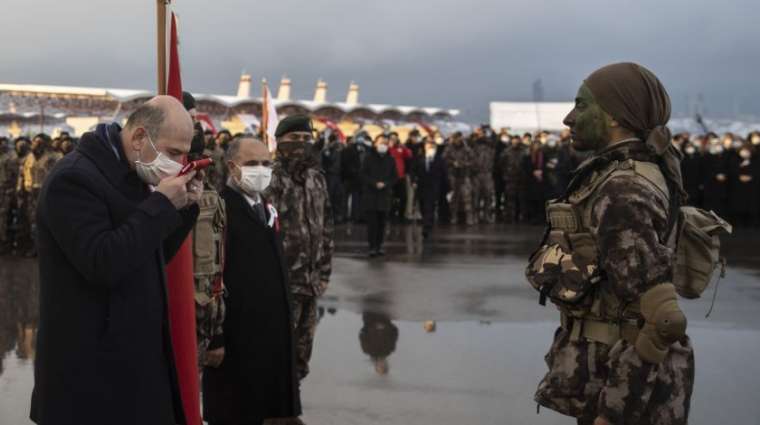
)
(160, 168)
(382, 149)
(690, 150)
(551, 143)
(716, 149)
(255, 179)
(745, 154)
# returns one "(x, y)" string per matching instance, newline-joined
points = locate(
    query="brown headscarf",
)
(636, 99)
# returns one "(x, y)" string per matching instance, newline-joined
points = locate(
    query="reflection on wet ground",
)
(445, 332)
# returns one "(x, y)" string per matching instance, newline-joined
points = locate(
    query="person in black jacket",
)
(715, 183)
(691, 166)
(378, 177)
(331, 164)
(534, 169)
(257, 379)
(744, 177)
(104, 352)
(352, 160)
(429, 178)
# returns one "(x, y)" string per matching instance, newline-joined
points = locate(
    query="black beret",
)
(293, 123)
(188, 100)
(45, 138)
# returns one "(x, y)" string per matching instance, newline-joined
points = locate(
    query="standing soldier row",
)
(23, 170)
(8, 178)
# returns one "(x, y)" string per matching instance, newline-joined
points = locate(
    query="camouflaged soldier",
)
(208, 255)
(208, 259)
(510, 164)
(36, 168)
(460, 160)
(621, 354)
(299, 193)
(484, 151)
(8, 179)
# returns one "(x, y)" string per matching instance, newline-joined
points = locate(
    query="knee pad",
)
(664, 324)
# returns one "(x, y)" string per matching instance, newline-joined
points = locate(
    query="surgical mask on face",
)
(690, 150)
(382, 149)
(551, 143)
(745, 154)
(255, 179)
(160, 168)
(716, 149)
(505, 139)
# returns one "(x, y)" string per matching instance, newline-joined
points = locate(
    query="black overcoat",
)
(257, 378)
(104, 353)
(378, 168)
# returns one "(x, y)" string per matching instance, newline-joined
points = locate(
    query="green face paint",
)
(589, 124)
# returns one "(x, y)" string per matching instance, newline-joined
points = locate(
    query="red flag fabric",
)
(334, 127)
(427, 128)
(179, 273)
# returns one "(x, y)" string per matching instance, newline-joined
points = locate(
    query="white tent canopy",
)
(529, 116)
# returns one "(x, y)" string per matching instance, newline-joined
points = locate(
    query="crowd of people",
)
(482, 177)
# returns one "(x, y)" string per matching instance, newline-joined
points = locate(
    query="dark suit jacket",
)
(432, 182)
(257, 378)
(104, 353)
(378, 168)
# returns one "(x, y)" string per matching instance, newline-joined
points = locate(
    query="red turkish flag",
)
(179, 274)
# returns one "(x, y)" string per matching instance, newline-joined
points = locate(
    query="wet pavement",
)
(378, 360)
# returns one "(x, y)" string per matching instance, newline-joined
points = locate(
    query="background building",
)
(26, 108)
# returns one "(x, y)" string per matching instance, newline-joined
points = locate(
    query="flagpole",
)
(264, 111)
(161, 41)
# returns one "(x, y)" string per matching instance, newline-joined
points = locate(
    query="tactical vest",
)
(566, 270)
(208, 245)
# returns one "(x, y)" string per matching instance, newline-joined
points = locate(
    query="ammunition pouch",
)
(208, 235)
(564, 268)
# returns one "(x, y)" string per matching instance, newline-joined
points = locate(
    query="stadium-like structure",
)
(26, 108)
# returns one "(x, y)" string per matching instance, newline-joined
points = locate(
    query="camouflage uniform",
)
(215, 175)
(301, 198)
(483, 185)
(608, 240)
(510, 164)
(460, 161)
(33, 172)
(8, 180)
(208, 259)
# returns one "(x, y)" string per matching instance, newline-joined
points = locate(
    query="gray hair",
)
(149, 117)
(234, 147)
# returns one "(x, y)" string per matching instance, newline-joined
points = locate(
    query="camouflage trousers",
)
(512, 203)
(483, 197)
(587, 379)
(6, 199)
(209, 316)
(305, 327)
(461, 201)
(27, 208)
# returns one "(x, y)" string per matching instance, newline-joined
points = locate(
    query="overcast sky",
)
(447, 53)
